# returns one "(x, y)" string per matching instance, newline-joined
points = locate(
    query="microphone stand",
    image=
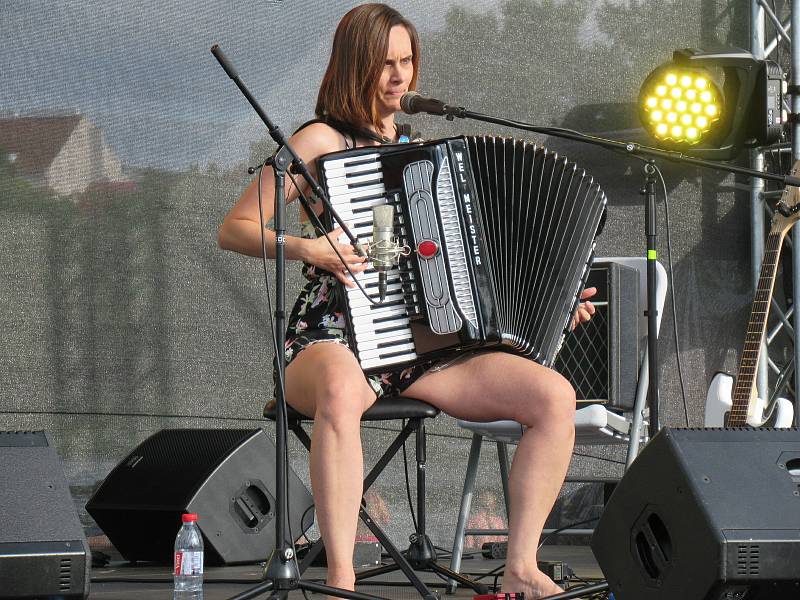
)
(281, 573)
(637, 150)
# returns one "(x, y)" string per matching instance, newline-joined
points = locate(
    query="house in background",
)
(64, 153)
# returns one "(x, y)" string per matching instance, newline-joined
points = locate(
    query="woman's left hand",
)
(585, 308)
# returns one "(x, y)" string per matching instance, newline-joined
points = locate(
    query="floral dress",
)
(318, 316)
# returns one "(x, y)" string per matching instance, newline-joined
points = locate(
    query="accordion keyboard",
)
(382, 334)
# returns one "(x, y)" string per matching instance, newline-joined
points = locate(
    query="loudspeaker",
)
(226, 476)
(706, 514)
(43, 550)
(601, 358)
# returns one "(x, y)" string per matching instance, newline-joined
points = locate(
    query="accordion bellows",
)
(502, 233)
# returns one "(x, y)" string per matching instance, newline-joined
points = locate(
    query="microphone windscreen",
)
(407, 102)
(383, 216)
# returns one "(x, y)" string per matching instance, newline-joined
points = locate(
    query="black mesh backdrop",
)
(122, 145)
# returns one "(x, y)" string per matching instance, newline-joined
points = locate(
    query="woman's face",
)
(397, 71)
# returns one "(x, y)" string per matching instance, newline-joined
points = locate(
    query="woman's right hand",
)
(320, 254)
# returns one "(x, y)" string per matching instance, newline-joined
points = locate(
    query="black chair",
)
(420, 555)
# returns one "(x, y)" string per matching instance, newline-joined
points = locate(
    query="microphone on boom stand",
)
(412, 103)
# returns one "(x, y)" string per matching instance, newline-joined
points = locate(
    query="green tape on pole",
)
(652, 255)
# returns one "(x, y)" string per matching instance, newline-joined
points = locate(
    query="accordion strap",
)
(353, 131)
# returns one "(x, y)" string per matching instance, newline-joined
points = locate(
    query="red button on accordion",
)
(502, 233)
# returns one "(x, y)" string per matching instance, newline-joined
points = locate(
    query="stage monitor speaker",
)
(601, 357)
(706, 514)
(226, 476)
(43, 550)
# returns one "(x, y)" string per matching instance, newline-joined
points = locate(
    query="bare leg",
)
(326, 382)
(494, 386)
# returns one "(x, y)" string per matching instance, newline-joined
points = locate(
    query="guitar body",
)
(719, 402)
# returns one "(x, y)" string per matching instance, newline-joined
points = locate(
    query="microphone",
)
(383, 250)
(413, 103)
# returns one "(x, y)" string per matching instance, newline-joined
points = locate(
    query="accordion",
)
(501, 232)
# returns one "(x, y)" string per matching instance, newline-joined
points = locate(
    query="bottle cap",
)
(189, 517)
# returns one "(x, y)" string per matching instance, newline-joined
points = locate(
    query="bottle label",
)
(189, 563)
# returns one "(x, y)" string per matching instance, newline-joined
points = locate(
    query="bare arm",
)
(240, 230)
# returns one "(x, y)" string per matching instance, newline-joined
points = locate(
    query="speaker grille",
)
(584, 358)
(600, 358)
(169, 465)
(748, 559)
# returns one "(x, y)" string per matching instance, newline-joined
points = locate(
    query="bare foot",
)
(343, 582)
(534, 585)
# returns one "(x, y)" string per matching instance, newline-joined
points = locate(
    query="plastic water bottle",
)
(188, 573)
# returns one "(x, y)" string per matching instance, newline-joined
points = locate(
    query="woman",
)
(374, 61)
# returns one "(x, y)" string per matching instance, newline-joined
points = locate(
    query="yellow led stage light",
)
(678, 85)
(713, 104)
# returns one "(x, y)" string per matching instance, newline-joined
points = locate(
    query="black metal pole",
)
(650, 217)
(281, 568)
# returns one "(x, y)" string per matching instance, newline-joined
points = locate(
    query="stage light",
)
(681, 84)
(713, 104)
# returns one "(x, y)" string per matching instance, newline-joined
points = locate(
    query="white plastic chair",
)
(594, 424)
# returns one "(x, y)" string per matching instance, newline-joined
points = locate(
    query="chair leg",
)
(502, 458)
(463, 512)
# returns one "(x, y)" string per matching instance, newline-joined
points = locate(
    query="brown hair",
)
(358, 55)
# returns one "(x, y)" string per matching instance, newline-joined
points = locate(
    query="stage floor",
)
(122, 581)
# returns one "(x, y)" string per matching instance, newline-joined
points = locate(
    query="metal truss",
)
(777, 372)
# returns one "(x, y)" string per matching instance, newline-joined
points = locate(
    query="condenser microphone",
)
(383, 249)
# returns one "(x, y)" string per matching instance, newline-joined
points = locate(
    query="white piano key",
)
(371, 276)
(399, 328)
(339, 163)
(376, 352)
(381, 347)
(388, 362)
(342, 194)
(359, 300)
(331, 173)
(356, 296)
(365, 326)
(351, 180)
(381, 311)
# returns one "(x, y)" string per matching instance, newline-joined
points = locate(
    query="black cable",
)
(496, 571)
(603, 458)
(564, 528)
(302, 517)
(408, 483)
(671, 286)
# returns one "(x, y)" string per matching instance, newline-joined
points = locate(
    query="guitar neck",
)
(745, 388)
